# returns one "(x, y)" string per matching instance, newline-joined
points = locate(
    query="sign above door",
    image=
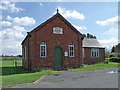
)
(57, 30)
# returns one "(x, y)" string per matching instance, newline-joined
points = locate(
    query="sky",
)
(18, 18)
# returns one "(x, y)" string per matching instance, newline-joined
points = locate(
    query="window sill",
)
(95, 57)
(71, 57)
(43, 57)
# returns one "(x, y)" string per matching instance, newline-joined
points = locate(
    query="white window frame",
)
(83, 50)
(71, 45)
(95, 52)
(43, 44)
(25, 52)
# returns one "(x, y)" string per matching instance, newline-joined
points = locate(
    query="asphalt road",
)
(85, 79)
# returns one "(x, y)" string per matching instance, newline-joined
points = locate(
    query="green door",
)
(57, 56)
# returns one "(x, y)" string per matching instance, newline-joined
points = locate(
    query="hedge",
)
(114, 59)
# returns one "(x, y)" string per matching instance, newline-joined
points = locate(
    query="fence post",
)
(15, 66)
(13, 62)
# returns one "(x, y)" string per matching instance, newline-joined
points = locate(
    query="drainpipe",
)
(82, 51)
(79, 49)
(104, 53)
(29, 62)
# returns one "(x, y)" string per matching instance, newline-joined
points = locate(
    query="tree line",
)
(88, 35)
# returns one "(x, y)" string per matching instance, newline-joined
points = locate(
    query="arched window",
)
(71, 50)
(43, 49)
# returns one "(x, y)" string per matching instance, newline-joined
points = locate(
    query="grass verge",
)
(24, 78)
(12, 75)
(8, 67)
(96, 67)
(11, 58)
(10, 63)
(10, 78)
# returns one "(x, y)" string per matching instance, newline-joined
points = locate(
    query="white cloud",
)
(9, 18)
(109, 43)
(111, 31)
(9, 37)
(80, 27)
(111, 22)
(5, 23)
(15, 32)
(10, 40)
(59, 0)
(6, 5)
(11, 47)
(41, 4)
(25, 21)
(73, 14)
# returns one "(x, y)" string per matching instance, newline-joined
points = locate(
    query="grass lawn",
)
(8, 67)
(11, 63)
(24, 78)
(20, 75)
(11, 58)
(96, 67)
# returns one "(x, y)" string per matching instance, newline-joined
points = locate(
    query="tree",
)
(107, 54)
(2, 55)
(88, 35)
(91, 36)
(118, 44)
(95, 37)
(113, 49)
(84, 35)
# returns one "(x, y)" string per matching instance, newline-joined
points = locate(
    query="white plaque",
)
(57, 30)
(66, 53)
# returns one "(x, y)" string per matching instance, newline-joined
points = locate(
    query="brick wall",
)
(89, 60)
(25, 61)
(45, 34)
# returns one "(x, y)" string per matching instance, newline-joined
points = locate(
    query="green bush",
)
(115, 55)
(107, 54)
(115, 59)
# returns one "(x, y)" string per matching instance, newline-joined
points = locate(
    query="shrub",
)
(106, 61)
(107, 54)
(115, 55)
(115, 59)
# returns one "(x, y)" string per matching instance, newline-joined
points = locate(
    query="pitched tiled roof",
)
(91, 42)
